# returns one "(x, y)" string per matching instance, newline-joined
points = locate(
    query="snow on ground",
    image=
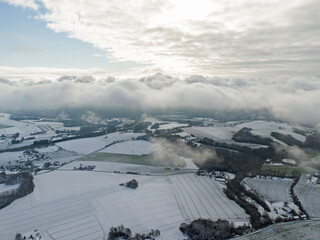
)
(4, 187)
(273, 190)
(189, 163)
(5, 157)
(309, 195)
(52, 125)
(220, 134)
(262, 128)
(89, 145)
(69, 205)
(48, 149)
(182, 134)
(28, 129)
(125, 167)
(214, 133)
(265, 128)
(119, 136)
(24, 129)
(152, 120)
(171, 125)
(203, 197)
(82, 145)
(307, 230)
(289, 161)
(84, 205)
(133, 147)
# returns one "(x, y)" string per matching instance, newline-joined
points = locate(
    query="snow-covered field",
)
(203, 197)
(125, 167)
(82, 145)
(297, 230)
(51, 153)
(79, 205)
(24, 129)
(28, 129)
(120, 136)
(262, 128)
(48, 149)
(5, 157)
(137, 147)
(89, 145)
(309, 195)
(171, 126)
(273, 190)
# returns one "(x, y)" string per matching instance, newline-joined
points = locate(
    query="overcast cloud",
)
(207, 37)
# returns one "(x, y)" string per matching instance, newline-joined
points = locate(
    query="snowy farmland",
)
(203, 197)
(89, 145)
(48, 154)
(83, 145)
(309, 195)
(307, 230)
(5, 157)
(273, 190)
(24, 129)
(29, 130)
(75, 205)
(171, 125)
(137, 147)
(127, 167)
(261, 128)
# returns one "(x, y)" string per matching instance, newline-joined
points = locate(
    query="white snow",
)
(83, 145)
(120, 136)
(126, 167)
(5, 187)
(265, 128)
(171, 125)
(89, 145)
(48, 149)
(273, 190)
(262, 128)
(80, 205)
(24, 129)
(289, 161)
(5, 157)
(309, 229)
(182, 134)
(203, 197)
(189, 163)
(133, 147)
(309, 195)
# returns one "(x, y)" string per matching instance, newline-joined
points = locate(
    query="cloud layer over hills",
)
(293, 99)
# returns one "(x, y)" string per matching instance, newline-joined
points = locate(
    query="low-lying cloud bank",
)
(170, 153)
(293, 99)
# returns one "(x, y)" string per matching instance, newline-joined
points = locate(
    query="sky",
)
(213, 54)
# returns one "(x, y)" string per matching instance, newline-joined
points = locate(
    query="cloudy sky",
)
(213, 54)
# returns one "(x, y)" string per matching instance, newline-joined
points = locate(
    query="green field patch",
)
(4, 126)
(282, 171)
(131, 159)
